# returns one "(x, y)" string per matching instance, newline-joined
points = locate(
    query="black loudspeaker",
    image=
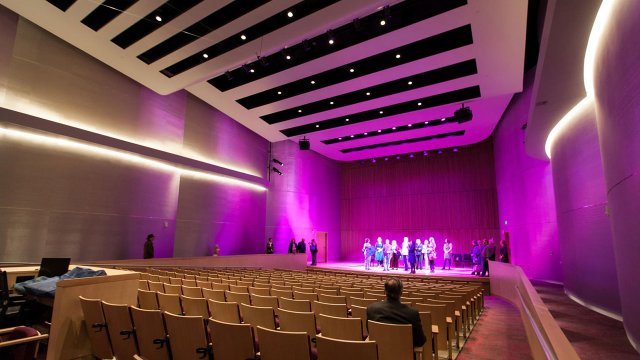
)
(304, 144)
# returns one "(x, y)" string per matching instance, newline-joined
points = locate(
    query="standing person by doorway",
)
(149, 251)
(313, 248)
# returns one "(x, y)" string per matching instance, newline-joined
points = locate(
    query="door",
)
(322, 239)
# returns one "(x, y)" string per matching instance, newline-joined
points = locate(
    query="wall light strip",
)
(565, 121)
(600, 24)
(82, 147)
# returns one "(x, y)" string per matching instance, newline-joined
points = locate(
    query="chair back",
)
(210, 294)
(283, 345)
(224, 311)
(121, 331)
(216, 286)
(240, 298)
(189, 282)
(294, 305)
(439, 318)
(194, 306)
(187, 337)
(362, 302)
(258, 316)
(191, 291)
(147, 300)
(395, 341)
(361, 313)
(337, 349)
(169, 303)
(262, 291)
(173, 289)
(239, 289)
(96, 327)
(156, 286)
(142, 285)
(296, 321)
(287, 294)
(264, 301)
(332, 299)
(430, 348)
(20, 343)
(311, 296)
(338, 310)
(340, 327)
(151, 334)
(231, 341)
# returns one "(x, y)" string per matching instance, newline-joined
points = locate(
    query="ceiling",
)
(376, 90)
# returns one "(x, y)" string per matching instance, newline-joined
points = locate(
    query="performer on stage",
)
(395, 255)
(405, 253)
(379, 252)
(425, 250)
(366, 250)
(431, 254)
(448, 248)
(418, 255)
(475, 257)
(412, 256)
(386, 250)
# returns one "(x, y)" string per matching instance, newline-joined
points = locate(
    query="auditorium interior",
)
(216, 125)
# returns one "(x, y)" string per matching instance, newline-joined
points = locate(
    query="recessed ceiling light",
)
(299, 110)
(397, 56)
(383, 23)
(279, 92)
(351, 135)
(409, 125)
(443, 119)
(410, 83)
(288, 57)
(317, 125)
(426, 122)
(252, 70)
(158, 18)
(331, 103)
(339, 138)
(393, 128)
(368, 93)
(330, 41)
(347, 119)
(243, 37)
(205, 55)
(290, 14)
(352, 70)
(313, 82)
(381, 112)
(366, 133)
(379, 130)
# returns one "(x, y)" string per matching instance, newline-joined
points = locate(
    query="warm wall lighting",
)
(564, 122)
(86, 148)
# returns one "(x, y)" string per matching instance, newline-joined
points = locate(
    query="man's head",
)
(393, 289)
(150, 237)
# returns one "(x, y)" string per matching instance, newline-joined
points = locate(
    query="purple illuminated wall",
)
(451, 195)
(617, 94)
(304, 199)
(585, 231)
(525, 195)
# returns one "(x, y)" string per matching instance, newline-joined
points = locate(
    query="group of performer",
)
(414, 254)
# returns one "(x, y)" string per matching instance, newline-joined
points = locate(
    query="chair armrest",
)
(457, 313)
(23, 340)
(448, 320)
(418, 350)
(434, 329)
(7, 330)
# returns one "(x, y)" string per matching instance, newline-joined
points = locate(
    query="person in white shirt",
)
(405, 253)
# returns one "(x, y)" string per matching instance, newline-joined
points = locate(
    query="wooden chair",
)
(430, 347)
(20, 343)
(191, 291)
(173, 289)
(294, 305)
(283, 345)
(264, 301)
(305, 296)
(259, 291)
(286, 294)
(224, 287)
(194, 306)
(361, 313)
(148, 300)
(362, 302)
(332, 292)
(96, 328)
(143, 285)
(224, 311)
(258, 316)
(395, 341)
(444, 323)
(337, 349)
(170, 303)
(156, 286)
(239, 289)
(217, 295)
(455, 316)
(151, 334)
(245, 282)
(332, 299)
(296, 321)
(175, 281)
(121, 331)
(164, 279)
(340, 327)
(232, 341)
(338, 310)
(189, 283)
(277, 286)
(203, 284)
(303, 289)
(188, 337)
(240, 298)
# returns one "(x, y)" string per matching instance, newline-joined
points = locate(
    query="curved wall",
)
(617, 94)
(584, 228)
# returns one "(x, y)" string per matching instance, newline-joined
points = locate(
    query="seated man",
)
(392, 311)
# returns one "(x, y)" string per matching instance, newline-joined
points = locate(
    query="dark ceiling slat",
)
(404, 141)
(275, 22)
(417, 50)
(107, 11)
(63, 5)
(211, 22)
(450, 97)
(439, 75)
(145, 26)
(401, 15)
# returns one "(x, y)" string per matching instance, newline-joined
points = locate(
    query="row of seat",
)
(124, 331)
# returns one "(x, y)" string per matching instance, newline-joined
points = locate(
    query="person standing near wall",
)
(270, 247)
(302, 247)
(395, 255)
(379, 251)
(149, 251)
(366, 250)
(419, 254)
(292, 247)
(447, 248)
(504, 251)
(412, 256)
(216, 250)
(313, 248)
(386, 249)
(475, 257)
(405, 253)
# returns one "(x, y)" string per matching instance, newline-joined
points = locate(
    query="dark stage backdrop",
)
(451, 195)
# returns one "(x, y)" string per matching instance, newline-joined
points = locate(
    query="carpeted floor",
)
(499, 335)
(594, 336)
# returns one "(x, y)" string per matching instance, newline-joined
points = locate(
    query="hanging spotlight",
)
(275, 170)
(263, 61)
(304, 144)
(463, 114)
(278, 162)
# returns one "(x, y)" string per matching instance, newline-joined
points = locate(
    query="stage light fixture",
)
(463, 114)
(275, 170)
(304, 144)
(263, 61)
(278, 162)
